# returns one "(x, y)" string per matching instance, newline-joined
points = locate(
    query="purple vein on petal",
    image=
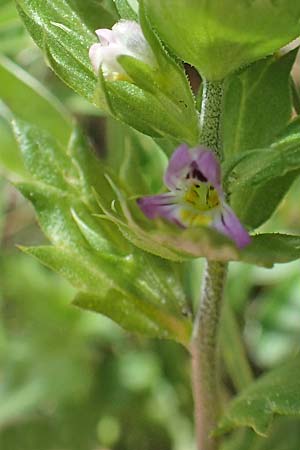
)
(228, 223)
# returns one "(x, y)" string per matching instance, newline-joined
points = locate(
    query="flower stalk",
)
(205, 333)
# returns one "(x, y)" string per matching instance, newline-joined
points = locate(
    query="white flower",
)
(125, 38)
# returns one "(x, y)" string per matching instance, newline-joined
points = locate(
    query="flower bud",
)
(124, 39)
(140, 84)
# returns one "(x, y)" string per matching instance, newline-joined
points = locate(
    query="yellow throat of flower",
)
(198, 200)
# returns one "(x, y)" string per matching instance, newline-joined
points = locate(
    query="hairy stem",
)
(210, 119)
(204, 355)
(205, 333)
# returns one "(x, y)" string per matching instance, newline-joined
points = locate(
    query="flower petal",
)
(208, 165)
(227, 223)
(178, 166)
(105, 36)
(96, 56)
(105, 56)
(163, 205)
(128, 34)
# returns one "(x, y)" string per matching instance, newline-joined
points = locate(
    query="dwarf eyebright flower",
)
(195, 195)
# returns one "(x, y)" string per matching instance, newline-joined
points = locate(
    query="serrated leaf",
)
(137, 316)
(257, 104)
(284, 435)
(259, 179)
(255, 207)
(148, 116)
(149, 105)
(277, 393)
(105, 293)
(43, 157)
(257, 167)
(170, 88)
(268, 249)
(53, 207)
(262, 177)
(65, 31)
(86, 251)
(78, 268)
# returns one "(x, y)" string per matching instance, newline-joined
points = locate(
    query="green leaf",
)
(126, 10)
(277, 393)
(87, 251)
(144, 112)
(257, 105)
(217, 43)
(257, 167)
(149, 113)
(12, 36)
(148, 156)
(233, 350)
(109, 292)
(65, 31)
(54, 210)
(254, 207)
(95, 13)
(18, 88)
(10, 158)
(268, 249)
(283, 436)
(258, 180)
(134, 315)
(43, 157)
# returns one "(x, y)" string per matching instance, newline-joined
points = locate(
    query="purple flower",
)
(196, 196)
(125, 38)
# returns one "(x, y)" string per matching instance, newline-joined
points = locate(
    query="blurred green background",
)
(72, 380)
